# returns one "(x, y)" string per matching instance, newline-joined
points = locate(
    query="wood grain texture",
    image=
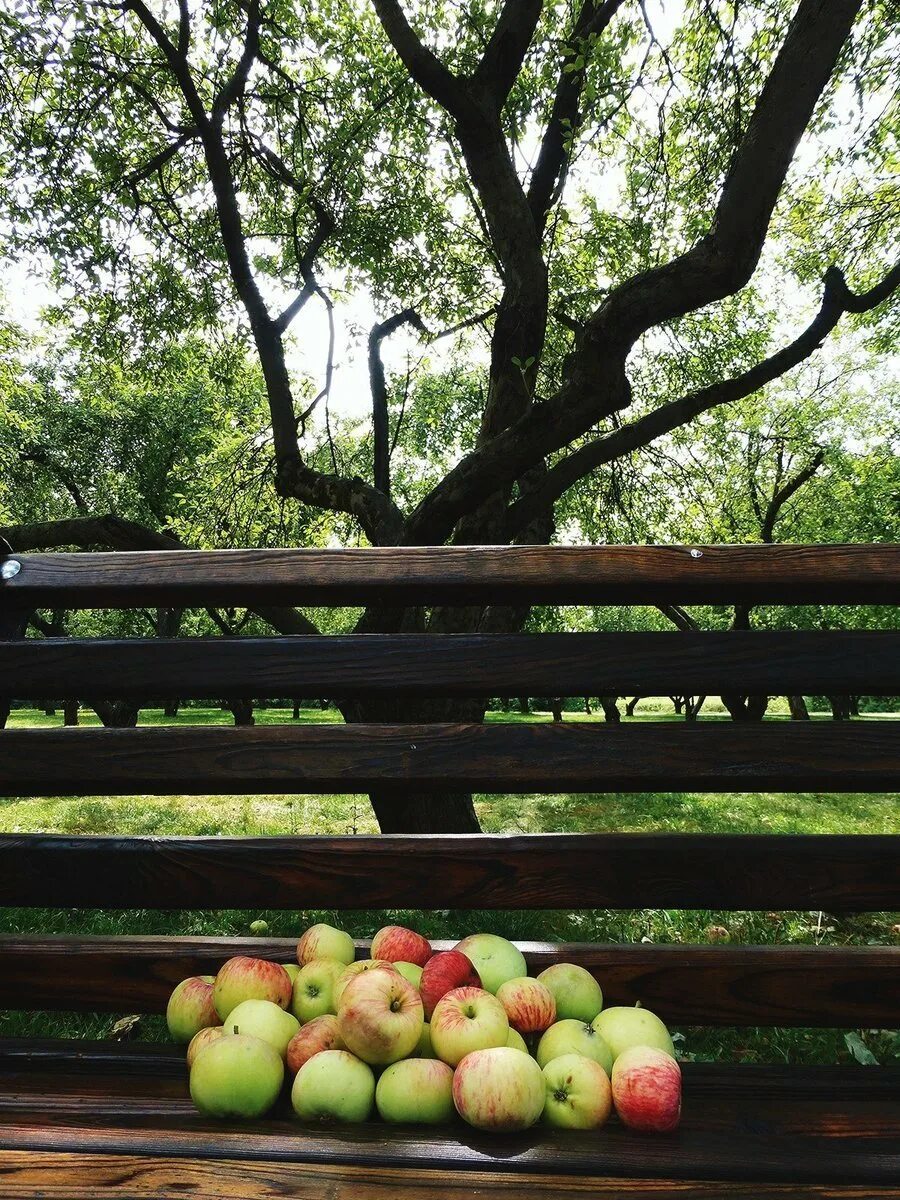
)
(857, 987)
(573, 757)
(720, 871)
(642, 664)
(778, 1126)
(74, 1176)
(786, 574)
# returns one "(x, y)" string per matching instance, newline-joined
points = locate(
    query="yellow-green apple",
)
(516, 1040)
(293, 969)
(321, 1033)
(499, 1089)
(324, 941)
(574, 1037)
(334, 1086)
(442, 973)
(410, 972)
(529, 1005)
(263, 1019)
(576, 992)
(646, 1089)
(626, 1027)
(418, 1091)
(191, 1007)
(238, 1076)
(397, 944)
(380, 1017)
(424, 1048)
(250, 979)
(358, 968)
(467, 1019)
(258, 928)
(201, 1039)
(313, 994)
(494, 958)
(578, 1093)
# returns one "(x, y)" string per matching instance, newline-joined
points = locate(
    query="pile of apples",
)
(420, 1037)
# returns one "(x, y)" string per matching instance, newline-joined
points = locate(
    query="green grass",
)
(335, 814)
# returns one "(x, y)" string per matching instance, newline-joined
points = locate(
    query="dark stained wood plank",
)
(74, 1176)
(850, 574)
(774, 1125)
(572, 757)
(856, 987)
(720, 871)
(810, 662)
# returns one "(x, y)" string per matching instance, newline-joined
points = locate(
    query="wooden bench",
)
(83, 1119)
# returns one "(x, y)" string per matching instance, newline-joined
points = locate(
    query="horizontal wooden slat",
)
(795, 1127)
(686, 985)
(572, 664)
(743, 871)
(784, 574)
(572, 757)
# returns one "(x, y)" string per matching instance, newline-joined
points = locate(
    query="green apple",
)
(293, 970)
(467, 1019)
(424, 1048)
(202, 1039)
(516, 1040)
(334, 1085)
(499, 1089)
(314, 989)
(263, 1019)
(626, 1027)
(258, 928)
(410, 972)
(244, 978)
(578, 1093)
(191, 1007)
(574, 1037)
(418, 1091)
(576, 992)
(324, 941)
(494, 958)
(238, 1076)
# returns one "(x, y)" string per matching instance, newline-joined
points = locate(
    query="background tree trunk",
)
(610, 708)
(799, 711)
(70, 712)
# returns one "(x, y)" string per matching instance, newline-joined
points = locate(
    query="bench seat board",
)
(854, 986)
(778, 1125)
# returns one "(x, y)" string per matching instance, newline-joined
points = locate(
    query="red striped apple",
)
(529, 1005)
(324, 941)
(500, 1089)
(442, 973)
(358, 968)
(321, 1033)
(250, 979)
(467, 1019)
(201, 1040)
(380, 1017)
(397, 944)
(191, 1007)
(646, 1089)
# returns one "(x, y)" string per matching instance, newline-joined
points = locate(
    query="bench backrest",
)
(723, 984)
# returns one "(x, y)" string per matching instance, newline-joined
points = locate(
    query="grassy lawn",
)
(285, 814)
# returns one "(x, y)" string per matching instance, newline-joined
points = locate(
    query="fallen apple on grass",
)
(529, 1005)
(237, 1076)
(250, 979)
(574, 1037)
(467, 1019)
(380, 1017)
(396, 943)
(265, 1020)
(443, 972)
(324, 941)
(417, 1091)
(646, 1089)
(577, 993)
(499, 1089)
(623, 1028)
(313, 992)
(495, 959)
(334, 1086)
(322, 1033)
(191, 1007)
(578, 1093)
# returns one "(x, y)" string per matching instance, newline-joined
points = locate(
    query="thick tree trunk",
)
(746, 708)
(295, 715)
(118, 714)
(840, 707)
(587, 706)
(242, 711)
(692, 706)
(610, 708)
(49, 710)
(70, 713)
(170, 708)
(524, 707)
(424, 812)
(678, 703)
(632, 705)
(4, 713)
(799, 711)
